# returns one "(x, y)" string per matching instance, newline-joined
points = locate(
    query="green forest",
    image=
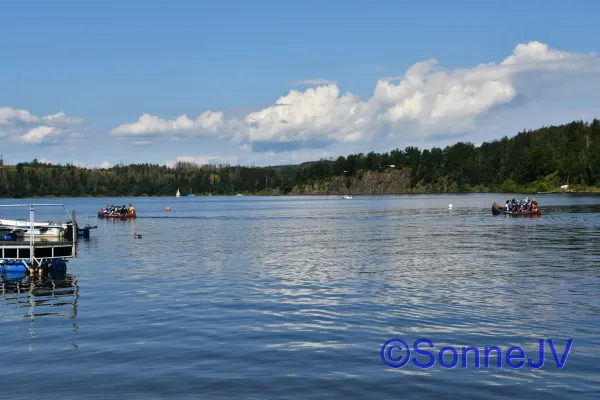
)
(531, 161)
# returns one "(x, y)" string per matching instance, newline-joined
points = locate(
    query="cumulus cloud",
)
(12, 116)
(150, 125)
(24, 127)
(45, 135)
(426, 101)
(37, 135)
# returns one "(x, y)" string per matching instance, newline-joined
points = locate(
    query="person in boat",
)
(524, 205)
(112, 209)
(517, 205)
(534, 205)
(131, 208)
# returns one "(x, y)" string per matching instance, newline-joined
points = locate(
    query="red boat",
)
(497, 209)
(129, 215)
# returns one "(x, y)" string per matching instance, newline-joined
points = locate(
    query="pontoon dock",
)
(31, 254)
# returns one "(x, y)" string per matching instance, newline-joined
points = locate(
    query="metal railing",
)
(32, 245)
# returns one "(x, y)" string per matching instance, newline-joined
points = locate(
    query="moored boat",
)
(49, 229)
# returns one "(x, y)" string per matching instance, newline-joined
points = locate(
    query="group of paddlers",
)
(523, 205)
(112, 209)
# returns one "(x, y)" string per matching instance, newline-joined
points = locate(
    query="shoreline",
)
(593, 192)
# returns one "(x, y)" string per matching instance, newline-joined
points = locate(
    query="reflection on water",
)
(36, 297)
(294, 297)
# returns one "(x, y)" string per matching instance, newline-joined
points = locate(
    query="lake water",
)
(294, 297)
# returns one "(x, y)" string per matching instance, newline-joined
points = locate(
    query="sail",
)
(178, 194)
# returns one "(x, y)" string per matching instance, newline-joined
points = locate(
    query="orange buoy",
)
(168, 208)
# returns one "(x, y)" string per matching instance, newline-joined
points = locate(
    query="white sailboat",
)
(347, 197)
(178, 194)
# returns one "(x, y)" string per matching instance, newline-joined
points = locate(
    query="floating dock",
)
(31, 254)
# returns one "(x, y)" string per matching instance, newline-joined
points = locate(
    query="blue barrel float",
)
(56, 266)
(8, 237)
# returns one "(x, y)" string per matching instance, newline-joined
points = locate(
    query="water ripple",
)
(294, 297)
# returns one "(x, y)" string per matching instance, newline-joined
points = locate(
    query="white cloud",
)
(427, 101)
(11, 116)
(24, 127)
(147, 124)
(60, 119)
(45, 135)
(37, 135)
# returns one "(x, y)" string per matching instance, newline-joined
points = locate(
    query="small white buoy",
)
(449, 205)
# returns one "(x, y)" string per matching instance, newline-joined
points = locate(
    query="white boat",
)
(40, 229)
(347, 197)
(178, 194)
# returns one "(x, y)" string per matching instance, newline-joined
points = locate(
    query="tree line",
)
(537, 159)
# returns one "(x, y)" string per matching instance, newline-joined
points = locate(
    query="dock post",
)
(74, 220)
(31, 236)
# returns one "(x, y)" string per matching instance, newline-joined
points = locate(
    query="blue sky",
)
(109, 63)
